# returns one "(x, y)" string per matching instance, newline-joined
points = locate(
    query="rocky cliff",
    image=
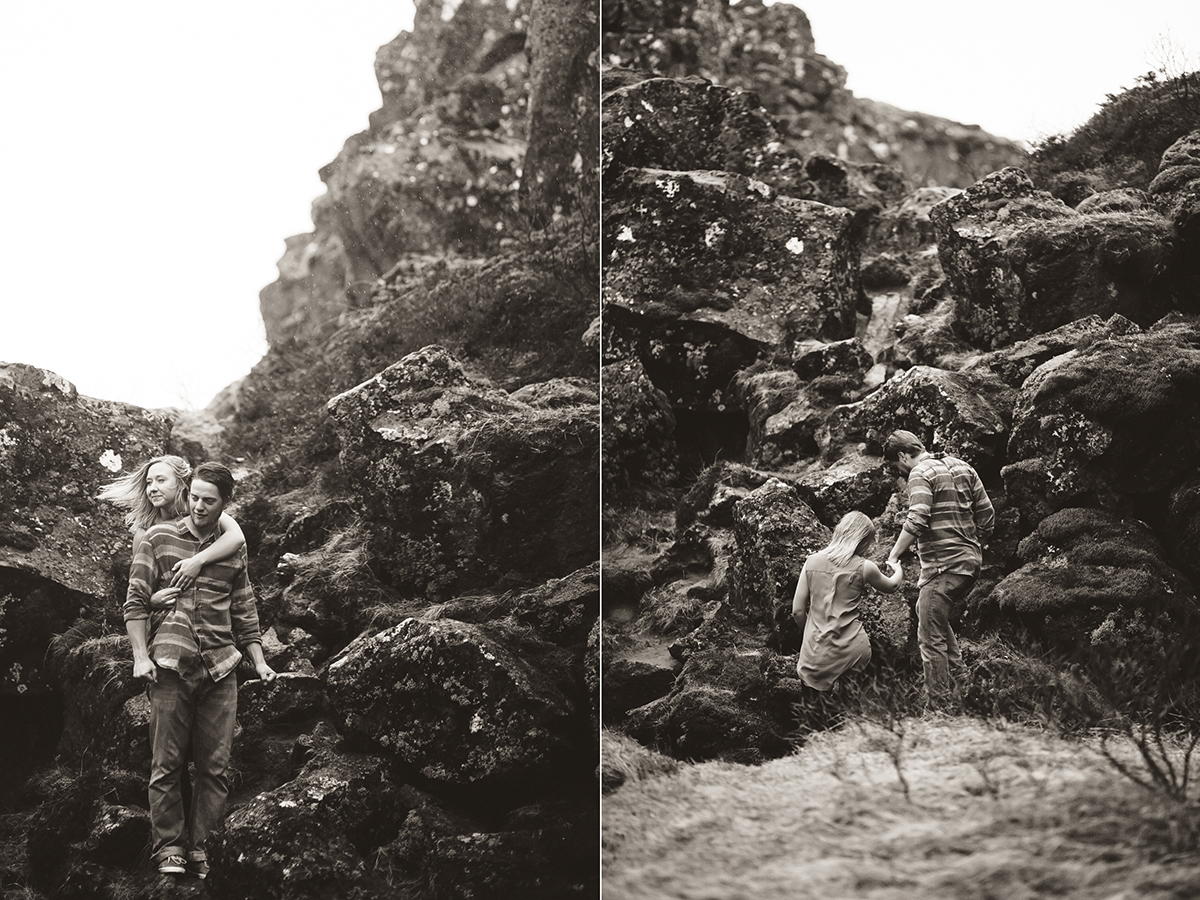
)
(417, 459)
(773, 309)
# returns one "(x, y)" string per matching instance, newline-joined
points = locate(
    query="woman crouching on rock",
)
(826, 603)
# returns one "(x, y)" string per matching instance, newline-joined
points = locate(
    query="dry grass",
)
(999, 813)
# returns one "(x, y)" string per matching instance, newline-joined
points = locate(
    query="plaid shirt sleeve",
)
(920, 503)
(243, 611)
(143, 574)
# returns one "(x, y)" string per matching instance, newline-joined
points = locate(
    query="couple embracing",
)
(949, 518)
(190, 614)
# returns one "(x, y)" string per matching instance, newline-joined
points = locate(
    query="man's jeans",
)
(941, 660)
(189, 707)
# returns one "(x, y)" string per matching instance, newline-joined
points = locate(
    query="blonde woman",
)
(157, 493)
(825, 605)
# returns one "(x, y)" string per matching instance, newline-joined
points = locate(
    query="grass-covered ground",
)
(934, 807)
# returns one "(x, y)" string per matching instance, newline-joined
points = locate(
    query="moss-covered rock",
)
(682, 125)
(1107, 423)
(726, 705)
(1090, 583)
(451, 701)
(1022, 262)
(637, 430)
(312, 837)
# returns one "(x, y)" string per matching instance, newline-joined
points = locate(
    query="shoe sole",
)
(171, 870)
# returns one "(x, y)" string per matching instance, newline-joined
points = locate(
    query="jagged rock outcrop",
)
(461, 483)
(771, 52)
(437, 169)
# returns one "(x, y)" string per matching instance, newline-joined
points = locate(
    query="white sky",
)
(156, 155)
(1021, 69)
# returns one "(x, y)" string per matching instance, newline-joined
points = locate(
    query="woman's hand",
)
(164, 599)
(185, 572)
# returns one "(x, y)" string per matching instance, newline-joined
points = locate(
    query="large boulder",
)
(854, 482)
(315, 836)
(727, 704)
(462, 484)
(1111, 422)
(452, 701)
(1176, 189)
(707, 271)
(967, 416)
(1022, 262)
(775, 532)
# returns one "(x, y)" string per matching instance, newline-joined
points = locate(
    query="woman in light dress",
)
(826, 603)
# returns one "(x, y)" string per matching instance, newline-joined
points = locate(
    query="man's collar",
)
(185, 530)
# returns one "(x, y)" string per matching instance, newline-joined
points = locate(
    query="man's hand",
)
(185, 572)
(165, 598)
(144, 669)
(265, 672)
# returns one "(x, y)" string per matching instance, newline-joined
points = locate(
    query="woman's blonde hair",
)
(130, 493)
(853, 533)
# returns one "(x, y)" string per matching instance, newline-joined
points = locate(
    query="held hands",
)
(165, 598)
(185, 571)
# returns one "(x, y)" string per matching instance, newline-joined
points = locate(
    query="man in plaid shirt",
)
(187, 653)
(950, 517)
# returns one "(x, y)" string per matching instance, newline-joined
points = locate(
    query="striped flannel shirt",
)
(210, 621)
(951, 515)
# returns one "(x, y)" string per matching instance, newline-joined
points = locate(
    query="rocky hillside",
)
(773, 311)
(418, 465)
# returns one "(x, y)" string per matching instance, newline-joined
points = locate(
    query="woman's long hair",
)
(130, 493)
(854, 532)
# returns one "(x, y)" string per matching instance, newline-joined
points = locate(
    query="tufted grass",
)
(992, 810)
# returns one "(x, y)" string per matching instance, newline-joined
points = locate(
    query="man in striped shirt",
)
(188, 653)
(950, 517)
